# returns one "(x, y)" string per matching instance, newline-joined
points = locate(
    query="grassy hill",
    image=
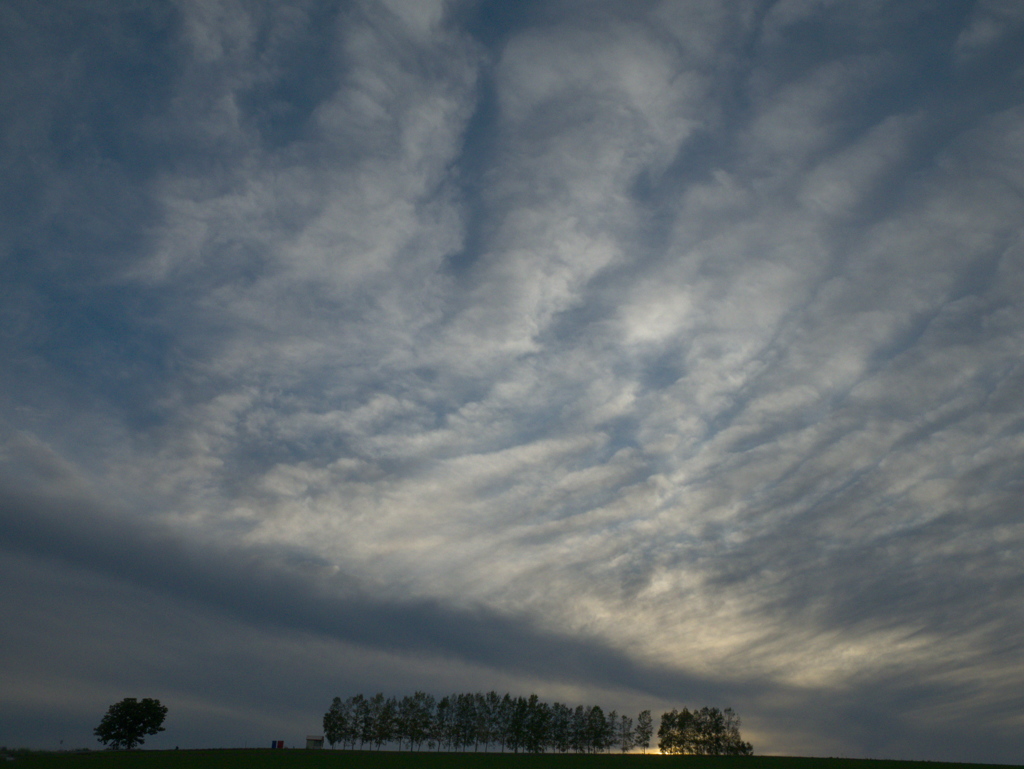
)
(328, 759)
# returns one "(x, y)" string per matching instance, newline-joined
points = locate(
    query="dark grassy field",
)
(328, 759)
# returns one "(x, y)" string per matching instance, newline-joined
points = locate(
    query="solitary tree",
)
(128, 721)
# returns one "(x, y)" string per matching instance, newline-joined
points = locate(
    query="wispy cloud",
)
(663, 352)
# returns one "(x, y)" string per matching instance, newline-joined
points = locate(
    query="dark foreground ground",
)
(329, 759)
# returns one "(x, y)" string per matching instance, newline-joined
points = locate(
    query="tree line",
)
(460, 722)
(704, 732)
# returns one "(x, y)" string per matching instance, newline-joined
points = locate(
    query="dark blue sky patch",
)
(302, 73)
(474, 170)
(493, 22)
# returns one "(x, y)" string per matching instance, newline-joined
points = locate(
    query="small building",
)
(314, 742)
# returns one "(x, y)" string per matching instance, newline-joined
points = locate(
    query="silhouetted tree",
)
(363, 717)
(538, 725)
(560, 727)
(597, 737)
(644, 730)
(128, 721)
(625, 734)
(441, 727)
(516, 735)
(404, 721)
(490, 709)
(382, 712)
(707, 732)
(733, 743)
(673, 734)
(481, 730)
(465, 720)
(503, 720)
(422, 708)
(336, 722)
(523, 724)
(578, 729)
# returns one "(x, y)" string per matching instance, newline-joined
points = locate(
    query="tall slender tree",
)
(560, 727)
(503, 722)
(363, 717)
(538, 725)
(491, 709)
(624, 733)
(596, 730)
(382, 729)
(480, 717)
(733, 742)
(644, 730)
(441, 728)
(578, 729)
(335, 722)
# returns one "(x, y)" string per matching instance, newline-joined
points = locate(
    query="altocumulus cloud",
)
(634, 353)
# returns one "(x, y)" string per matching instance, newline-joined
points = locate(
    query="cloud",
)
(655, 352)
(990, 23)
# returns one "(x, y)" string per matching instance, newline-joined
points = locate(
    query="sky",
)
(631, 353)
